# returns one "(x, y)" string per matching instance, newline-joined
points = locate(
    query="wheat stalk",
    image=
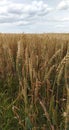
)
(67, 87)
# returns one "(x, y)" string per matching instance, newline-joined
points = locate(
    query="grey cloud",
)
(14, 11)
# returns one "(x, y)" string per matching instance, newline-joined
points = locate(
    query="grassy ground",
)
(34, 82)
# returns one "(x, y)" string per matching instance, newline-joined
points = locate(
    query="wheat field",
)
(34, 81)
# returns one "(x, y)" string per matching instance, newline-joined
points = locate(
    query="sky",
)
(34, 16)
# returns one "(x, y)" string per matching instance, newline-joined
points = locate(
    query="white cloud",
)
(36, 13)
(22, 13)
(60, 19)
(63, 5)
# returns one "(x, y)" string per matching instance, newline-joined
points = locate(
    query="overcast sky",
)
(34, 16)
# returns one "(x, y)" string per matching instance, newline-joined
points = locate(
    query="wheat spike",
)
(48, 74)
(54, 57)
(59, 75)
